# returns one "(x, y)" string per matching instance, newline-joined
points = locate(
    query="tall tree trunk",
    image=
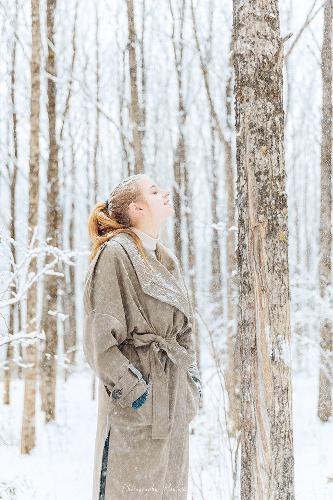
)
(68, 293)
(28, 428)
(267, 461)
(97, 122)
(135, 108)
(12, 230)
(53, 225)
(71, 292)
(325, 372)
(180, 154)
(126, 163)
(143, 66)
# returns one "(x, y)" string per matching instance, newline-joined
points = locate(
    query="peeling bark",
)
(267, 462)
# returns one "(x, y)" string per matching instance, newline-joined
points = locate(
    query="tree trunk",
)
(267, 461)
(97, 118)
(12, 230)
(70, 336)
(135, 108)
(180, 153)
(215, 288)
(30, 352)
(53, 225)
(325, 372)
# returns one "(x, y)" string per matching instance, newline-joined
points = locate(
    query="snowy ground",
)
(60, 466)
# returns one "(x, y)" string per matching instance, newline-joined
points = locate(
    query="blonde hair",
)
(109, 218)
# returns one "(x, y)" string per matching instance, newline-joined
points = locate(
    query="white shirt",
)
(148, 242)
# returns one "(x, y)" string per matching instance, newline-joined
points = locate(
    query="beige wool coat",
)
(138, 335)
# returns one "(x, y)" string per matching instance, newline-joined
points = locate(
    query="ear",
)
(134, 207)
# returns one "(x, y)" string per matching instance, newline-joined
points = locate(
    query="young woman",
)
(138, 341)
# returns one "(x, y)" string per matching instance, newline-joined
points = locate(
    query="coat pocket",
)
(192, 399)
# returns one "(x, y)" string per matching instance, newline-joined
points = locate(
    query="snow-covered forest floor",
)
(60, 467)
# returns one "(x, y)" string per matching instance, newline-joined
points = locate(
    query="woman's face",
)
(158, 203)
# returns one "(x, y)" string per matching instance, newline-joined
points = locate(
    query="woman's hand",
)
(142, 399)
(197, 382)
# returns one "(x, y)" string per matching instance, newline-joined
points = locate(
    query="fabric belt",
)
(160, 393)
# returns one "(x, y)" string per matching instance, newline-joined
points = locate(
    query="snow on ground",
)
(60, 467)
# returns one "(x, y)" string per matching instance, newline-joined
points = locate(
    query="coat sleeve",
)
(105, 327)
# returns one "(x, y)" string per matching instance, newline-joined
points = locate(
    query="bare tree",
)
(54, 226)
(136, 115)
(28, 429)
(68, 293)
(97, 124)
(180, 153)
(267, 461)
(325, 373)
(12, 229)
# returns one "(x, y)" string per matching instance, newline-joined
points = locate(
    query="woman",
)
(138, 340)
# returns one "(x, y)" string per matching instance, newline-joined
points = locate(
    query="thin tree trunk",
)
(54, 225)
(96, 146)
(126, 164)
(135, 108)
(68, 295)
(216, 281)
(143, 66)
(216, 273)
(12, 230)
(267, 460)
(71, 292)
(325, 372)
(68, 292)
(180, 154)
(28, 428)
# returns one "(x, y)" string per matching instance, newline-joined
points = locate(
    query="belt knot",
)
(160, 392)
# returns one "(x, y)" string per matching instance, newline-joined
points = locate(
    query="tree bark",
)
(12, 229)
(180, 153)
(267, 461)
(135, 108)
(54, 225)
(325, 371)
(28, 428)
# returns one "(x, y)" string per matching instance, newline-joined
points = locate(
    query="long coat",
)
(138, 323)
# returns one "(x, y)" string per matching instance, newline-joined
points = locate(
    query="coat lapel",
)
(162, 280)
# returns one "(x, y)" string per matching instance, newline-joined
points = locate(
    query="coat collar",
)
(164, 280)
